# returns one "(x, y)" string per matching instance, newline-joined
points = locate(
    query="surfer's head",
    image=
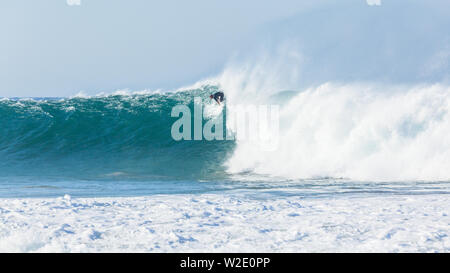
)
(211, 96)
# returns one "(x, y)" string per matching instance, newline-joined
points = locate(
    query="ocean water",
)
(334, 140)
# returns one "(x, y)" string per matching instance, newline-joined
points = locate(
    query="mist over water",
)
(365, 131)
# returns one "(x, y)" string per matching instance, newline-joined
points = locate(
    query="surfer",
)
(218, 97)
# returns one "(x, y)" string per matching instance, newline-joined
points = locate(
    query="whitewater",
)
(226, 223)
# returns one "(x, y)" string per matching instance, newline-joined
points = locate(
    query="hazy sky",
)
(51, 48)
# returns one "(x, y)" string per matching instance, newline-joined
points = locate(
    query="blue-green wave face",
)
(105, 137)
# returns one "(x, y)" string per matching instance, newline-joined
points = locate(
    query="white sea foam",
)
(119, 92)
(358, 132)
(226, 223)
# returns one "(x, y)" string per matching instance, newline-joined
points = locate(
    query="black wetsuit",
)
(219, 96)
